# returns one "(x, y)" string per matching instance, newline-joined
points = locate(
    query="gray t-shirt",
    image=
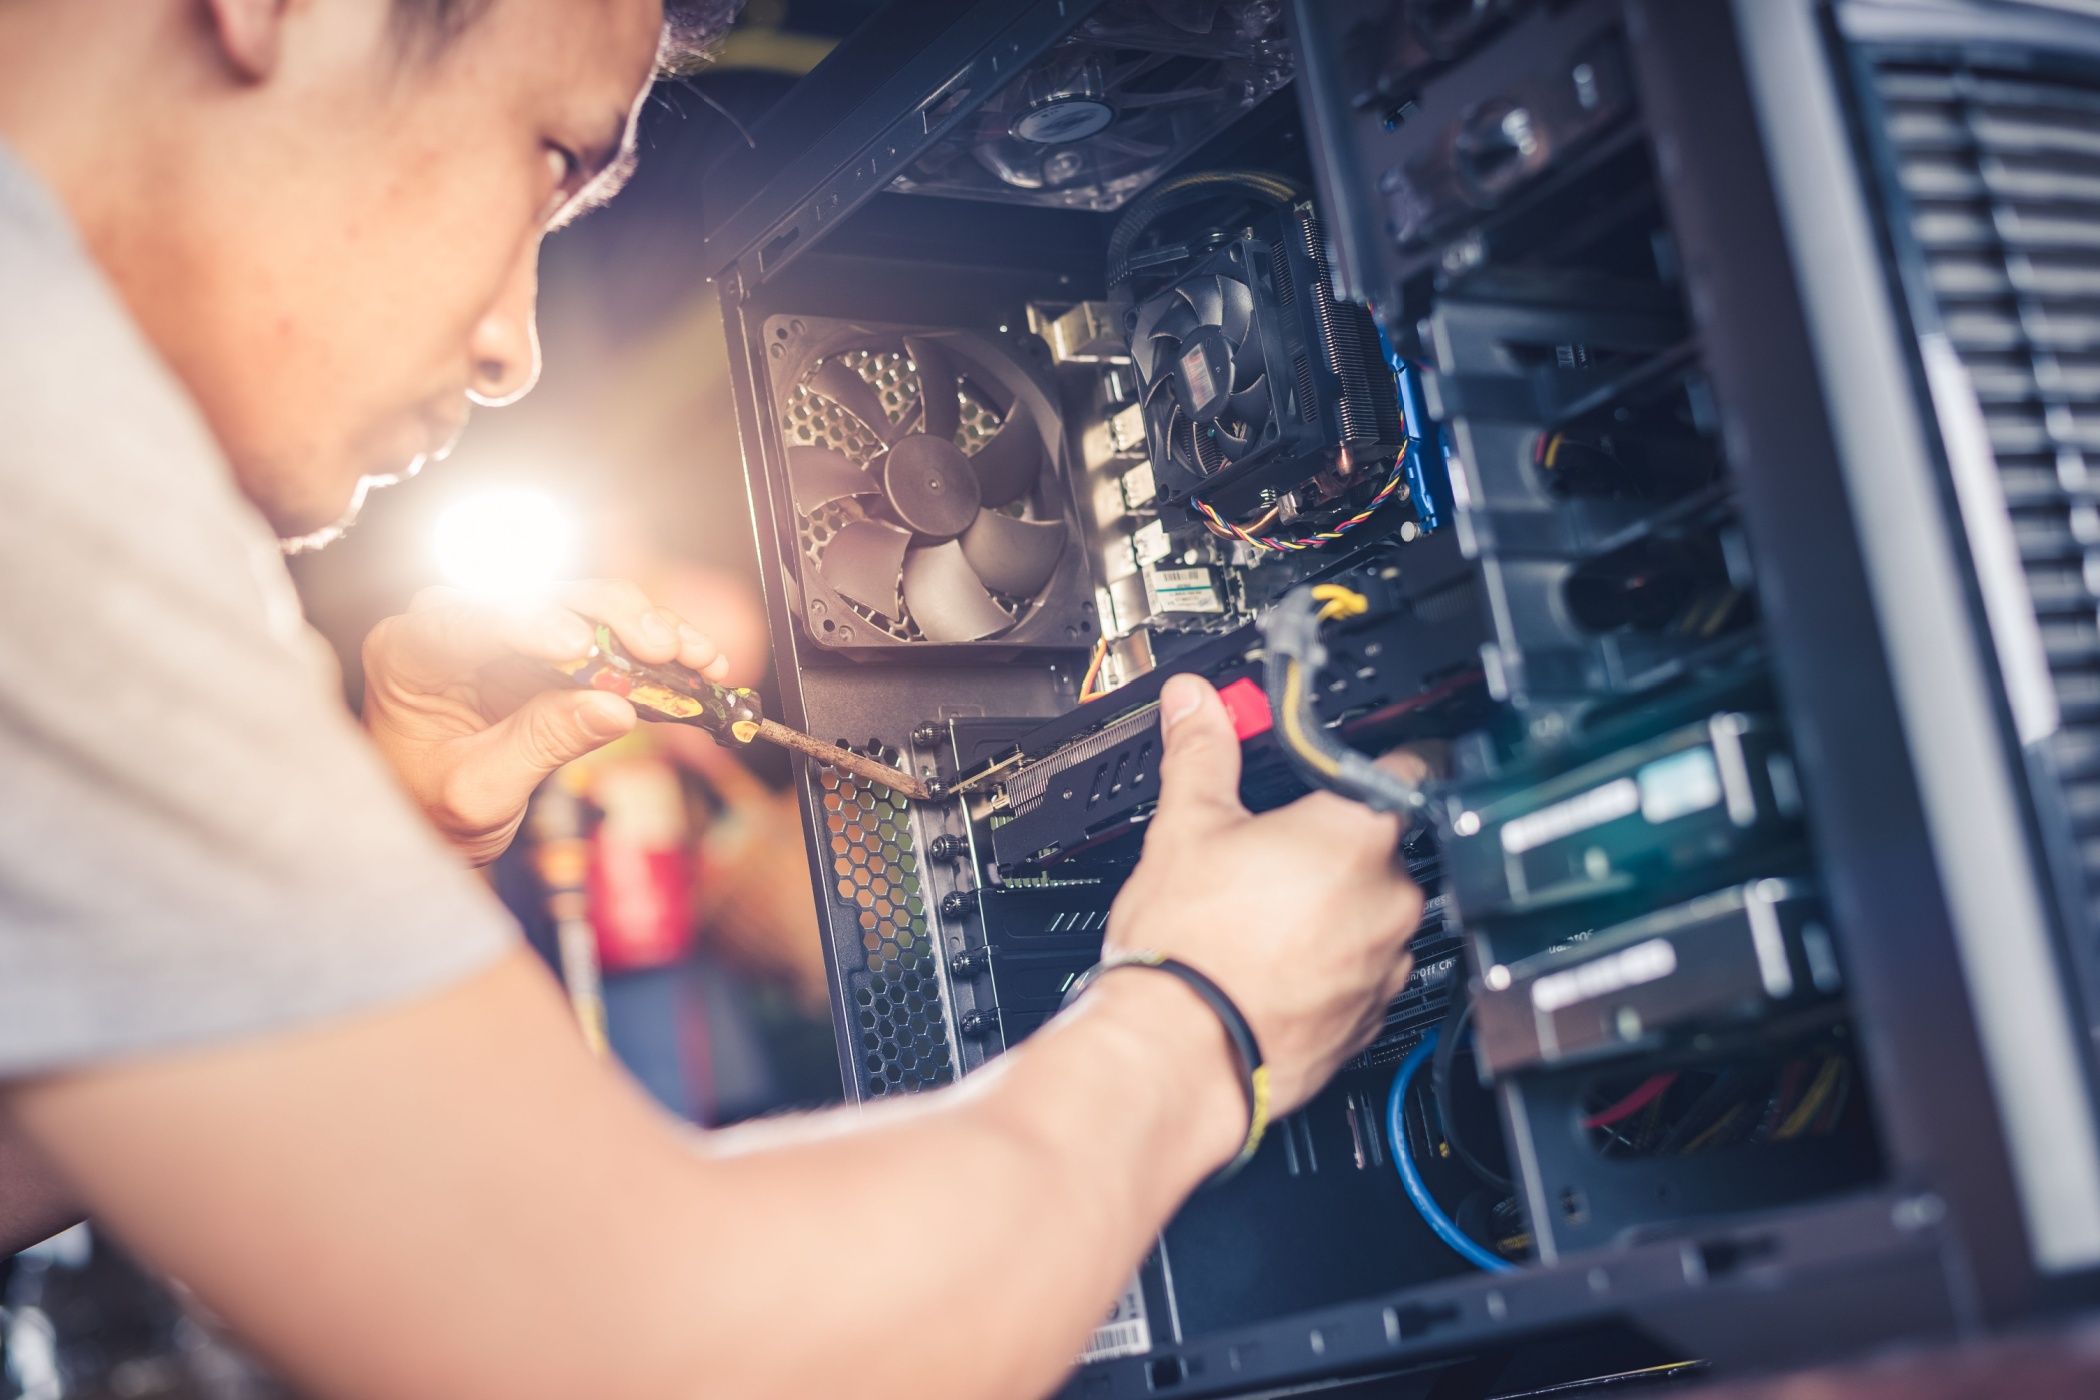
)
(196, 842)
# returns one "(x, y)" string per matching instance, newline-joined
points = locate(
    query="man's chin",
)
(302, 538)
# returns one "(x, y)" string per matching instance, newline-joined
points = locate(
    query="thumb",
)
(552, 728)
(1199, 771)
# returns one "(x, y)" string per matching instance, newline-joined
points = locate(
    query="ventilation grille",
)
(900, 1033)
(2002, 174)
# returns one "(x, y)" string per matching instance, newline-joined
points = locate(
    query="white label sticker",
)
(1182, 591)
(1679, 785)
(1618, 798)
(1642, 963)
(1127, 1332)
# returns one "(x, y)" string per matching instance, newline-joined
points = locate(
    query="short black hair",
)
(691, 27)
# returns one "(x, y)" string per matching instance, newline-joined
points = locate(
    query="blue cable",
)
(1411, 1176)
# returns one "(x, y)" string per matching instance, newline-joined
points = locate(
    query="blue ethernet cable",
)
(1445, 1228)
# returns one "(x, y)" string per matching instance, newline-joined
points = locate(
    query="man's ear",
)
(250, 34)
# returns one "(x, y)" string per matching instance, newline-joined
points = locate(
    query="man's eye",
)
(565, 164)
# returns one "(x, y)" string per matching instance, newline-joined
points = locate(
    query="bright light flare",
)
(504, 541)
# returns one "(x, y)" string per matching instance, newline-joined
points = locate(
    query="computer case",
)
(1742, 552)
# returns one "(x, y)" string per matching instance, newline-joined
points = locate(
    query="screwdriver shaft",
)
(845, 760)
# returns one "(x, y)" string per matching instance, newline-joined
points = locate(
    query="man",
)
(256, 255)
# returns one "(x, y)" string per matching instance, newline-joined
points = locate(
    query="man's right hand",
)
(1302, 915)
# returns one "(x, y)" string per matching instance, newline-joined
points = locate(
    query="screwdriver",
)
(679, 695)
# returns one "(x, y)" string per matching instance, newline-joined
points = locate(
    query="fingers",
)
(446, 634)
(516, 753)
(648, 632)
(446, 631)
(1349, 825)
(1199, 768)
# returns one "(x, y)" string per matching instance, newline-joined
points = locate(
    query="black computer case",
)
(1741, 555)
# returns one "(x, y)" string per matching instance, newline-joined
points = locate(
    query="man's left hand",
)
(460, 698)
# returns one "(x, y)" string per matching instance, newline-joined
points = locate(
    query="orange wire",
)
(1093, 671)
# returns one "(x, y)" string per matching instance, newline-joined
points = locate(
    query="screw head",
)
(955, 904)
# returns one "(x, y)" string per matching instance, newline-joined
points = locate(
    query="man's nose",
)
(506, 343)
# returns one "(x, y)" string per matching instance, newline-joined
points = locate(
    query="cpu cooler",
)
(1256, 380)
(926, 470)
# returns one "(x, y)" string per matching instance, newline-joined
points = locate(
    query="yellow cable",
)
(1811, 1102)
(1293, 694)
(1337, 601)
(1724, 1121)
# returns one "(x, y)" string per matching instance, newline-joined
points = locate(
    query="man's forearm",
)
(518, 1222)
(1006, 1213)
(35, 1203)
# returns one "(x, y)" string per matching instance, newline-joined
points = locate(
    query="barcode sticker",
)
(1181, 591)
(1125, 1333)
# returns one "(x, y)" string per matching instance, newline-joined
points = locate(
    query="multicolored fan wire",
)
(1225, 529)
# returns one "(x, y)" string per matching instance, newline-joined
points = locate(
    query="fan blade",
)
(1143, 330)
(1251, 404)
(1161, 350)
(1010, 462)
(1119, 143)
(1234, 437)
(1129, 68)
(939, 388)
(1204, 295)
(945, 598)
(1180, 321)
(864, 561)
(858, 397)
(1238, 315)
(1189, 16)
(818, 476)
(1014, 557)
(1127, 101)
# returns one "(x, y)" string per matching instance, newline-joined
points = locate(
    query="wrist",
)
(1183, 1048)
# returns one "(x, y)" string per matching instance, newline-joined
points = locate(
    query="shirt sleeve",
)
(196, 841)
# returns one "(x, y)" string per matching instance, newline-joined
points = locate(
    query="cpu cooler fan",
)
(926, 473)
(1097, 118)
(1255, 380)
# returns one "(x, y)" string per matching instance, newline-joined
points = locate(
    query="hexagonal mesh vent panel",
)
(900, 1032)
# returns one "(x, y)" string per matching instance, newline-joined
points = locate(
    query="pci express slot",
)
(1735, 955)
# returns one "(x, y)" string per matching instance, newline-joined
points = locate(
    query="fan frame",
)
(1111, 38)
(1061, 616)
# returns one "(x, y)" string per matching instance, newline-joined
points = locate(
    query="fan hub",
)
(1062, 119)
(930, 485)
(1202, 374)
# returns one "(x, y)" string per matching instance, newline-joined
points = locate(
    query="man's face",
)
(356, 259)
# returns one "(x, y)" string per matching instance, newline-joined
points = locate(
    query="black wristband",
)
(1245, 1048)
